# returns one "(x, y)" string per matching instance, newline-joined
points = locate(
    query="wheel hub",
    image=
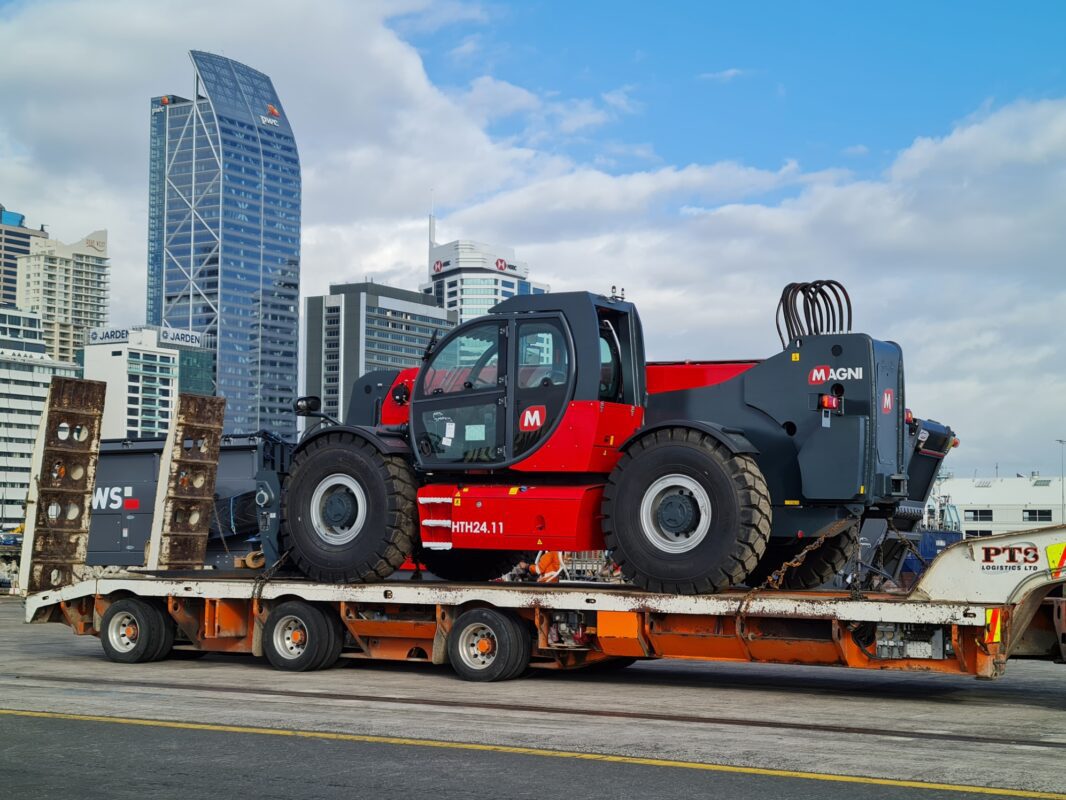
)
(678, 513)
(339, 510)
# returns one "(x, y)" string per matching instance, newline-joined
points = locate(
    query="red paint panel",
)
(392, 413)
(509, 517)
(674, 376)
(587, 438)
(131, 504)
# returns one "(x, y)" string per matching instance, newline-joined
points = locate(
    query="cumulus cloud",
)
(955, 251)
(724, 76)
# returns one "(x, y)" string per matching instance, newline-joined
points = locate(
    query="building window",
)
(977, 515)
(978, 533)
(1036, 515)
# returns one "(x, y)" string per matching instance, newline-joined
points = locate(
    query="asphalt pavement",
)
(232, 727)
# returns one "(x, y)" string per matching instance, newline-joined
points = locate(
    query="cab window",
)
(466, 363)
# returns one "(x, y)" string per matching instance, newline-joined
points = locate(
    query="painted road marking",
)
(534, 751)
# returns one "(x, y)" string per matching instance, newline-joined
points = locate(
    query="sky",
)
(702, 155)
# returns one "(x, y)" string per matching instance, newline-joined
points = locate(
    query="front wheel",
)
(133, 631)
(683, 515)
(348, 510)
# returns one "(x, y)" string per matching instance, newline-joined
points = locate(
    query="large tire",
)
(471, 565)
(683, 515)
(488, 645)
(131, 631)
(819, 566)
(347, 510)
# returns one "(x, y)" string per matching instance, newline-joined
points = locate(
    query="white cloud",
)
(955, 252)
(856, 150)
(724, 76)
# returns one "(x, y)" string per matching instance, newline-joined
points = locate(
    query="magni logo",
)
(532, 418)
(826, 373)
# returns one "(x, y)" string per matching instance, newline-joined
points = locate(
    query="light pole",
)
(1062, 482)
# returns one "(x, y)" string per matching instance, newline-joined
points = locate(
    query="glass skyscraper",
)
(224, 235)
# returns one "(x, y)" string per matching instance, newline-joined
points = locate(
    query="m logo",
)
(532, 419)
(886, 402)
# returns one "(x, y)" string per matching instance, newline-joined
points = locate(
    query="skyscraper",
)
(69, 286)
(224, 235)
(471, 277)
(15, 240)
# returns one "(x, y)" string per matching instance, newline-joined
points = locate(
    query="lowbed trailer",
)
(979, 603)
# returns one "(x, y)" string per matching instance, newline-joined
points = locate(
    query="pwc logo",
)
(115, 497)
(819, 375)
(532, 418)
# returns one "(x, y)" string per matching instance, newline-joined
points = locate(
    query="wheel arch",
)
(733, 439)
(386, 442)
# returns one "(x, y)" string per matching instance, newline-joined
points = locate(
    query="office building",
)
(15, 240)
(224, 235)
(471, 277)
(145, 368)
(360, 327)
(25, 374)
(68, 286)
(1000, 505)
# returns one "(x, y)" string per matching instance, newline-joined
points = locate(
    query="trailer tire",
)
(348, 510)
(684, 515)
(471, 565)
(817, 568)
(485, 644)
(337, 631)
(296, 637)
(167, 632)
(131, 631)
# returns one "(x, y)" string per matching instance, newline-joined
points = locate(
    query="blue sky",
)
(761, 82)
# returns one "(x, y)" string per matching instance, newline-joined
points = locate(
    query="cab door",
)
(543, 380)
(459, 408)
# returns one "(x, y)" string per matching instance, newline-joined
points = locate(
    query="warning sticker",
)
(1056, 559)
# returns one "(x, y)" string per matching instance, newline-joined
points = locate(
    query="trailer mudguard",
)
(732, 439)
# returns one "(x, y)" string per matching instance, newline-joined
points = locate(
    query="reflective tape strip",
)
(993, 625)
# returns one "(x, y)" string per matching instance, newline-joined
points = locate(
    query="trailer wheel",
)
(337, 632)
(488, 645)
(348, 510)
(472, 565)
(681, 514)
(817, 568)
(131, 631)
(167, 632)
(296, 637)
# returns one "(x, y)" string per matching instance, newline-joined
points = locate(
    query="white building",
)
(25, 375)
(360, 327)
(471, 277)
(142, 367)
(68, 285)
(1000, 505)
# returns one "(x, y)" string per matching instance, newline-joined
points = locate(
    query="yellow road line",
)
(535, 751)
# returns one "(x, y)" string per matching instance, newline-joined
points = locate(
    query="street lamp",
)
(1062, 483)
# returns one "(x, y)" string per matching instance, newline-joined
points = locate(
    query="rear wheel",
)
(348, 513)
(819, 566)
(488, 645)
(681, 514)
(472, 565)
(131, 631)
(296, 637)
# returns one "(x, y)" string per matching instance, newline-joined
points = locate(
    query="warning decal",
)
(1056, 559)
(993, 625)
